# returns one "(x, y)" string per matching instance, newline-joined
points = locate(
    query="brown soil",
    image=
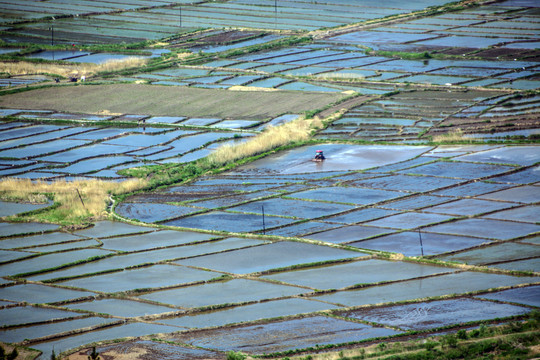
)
(168, 101)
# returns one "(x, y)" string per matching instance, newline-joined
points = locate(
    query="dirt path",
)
(347, 104)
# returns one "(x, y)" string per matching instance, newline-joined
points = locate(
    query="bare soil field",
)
(168, 101)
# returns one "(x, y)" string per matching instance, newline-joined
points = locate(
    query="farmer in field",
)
(319, 156)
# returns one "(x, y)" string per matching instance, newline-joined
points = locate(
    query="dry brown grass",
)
(95, 195)
(451, 137)
(298, 130)
(69, 69)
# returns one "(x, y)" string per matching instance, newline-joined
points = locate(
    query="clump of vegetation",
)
(271, 138)
(74, 201)
(69, 69)
(231, 355)
(451, 137)
(94, 355)
(8, 356)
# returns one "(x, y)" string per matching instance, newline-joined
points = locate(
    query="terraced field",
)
(421, 222)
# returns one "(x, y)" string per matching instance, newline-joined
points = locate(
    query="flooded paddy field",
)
(390, 235)
(171, 277)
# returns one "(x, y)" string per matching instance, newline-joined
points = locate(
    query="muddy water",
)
(527, 295)
(491, 229)
(37, 294)
(496, 253)
(284, 335)
(422, 316)
(339, 157)
(123, 308)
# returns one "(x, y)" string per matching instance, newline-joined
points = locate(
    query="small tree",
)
(94, 355)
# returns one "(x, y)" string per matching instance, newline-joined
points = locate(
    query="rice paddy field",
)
(420, 224)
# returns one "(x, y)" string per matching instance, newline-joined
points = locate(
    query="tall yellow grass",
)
(272, 137)
(451, 136)
(69, 69)
(94, 194)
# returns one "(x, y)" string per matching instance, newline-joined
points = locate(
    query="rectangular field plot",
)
(146, 277)
(429, 315)
(27, 315)
(288, 334)
(495, 253)
(37, 331)
(408, 243)
(232, 291)
(359, 272)
(123, 261)
(348, 234)
(523, 194)
(526, 295)
(468, 207)
(519, 265)
(264, 310)
(122, 308)
(37, 294)
(433, 286)
(152, 212)
(271, 256)
(490, 229)
(154, 240)
(348, 195)
(296, 208)
(526, 214)
(108, 333)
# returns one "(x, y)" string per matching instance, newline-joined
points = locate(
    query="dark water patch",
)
(434, 286)
(269, 309)
(38, 294)
(408, 243)
(117, 307)
(154, 239)
(408, 220)
(348, 234)
(491, 229)
(429, 315)
(151, 212)
(270, 256)
(232, 291)
(359, 272)
(141, 278)
(233, 222)
(529, 295)
(495, 253)
(352, 195)
(296, 208)
(402, 182)
(462, 170)
(468, 207)
(165, 119)
(526, 214)
(523, 194)
(358, 216)
(284, 335)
